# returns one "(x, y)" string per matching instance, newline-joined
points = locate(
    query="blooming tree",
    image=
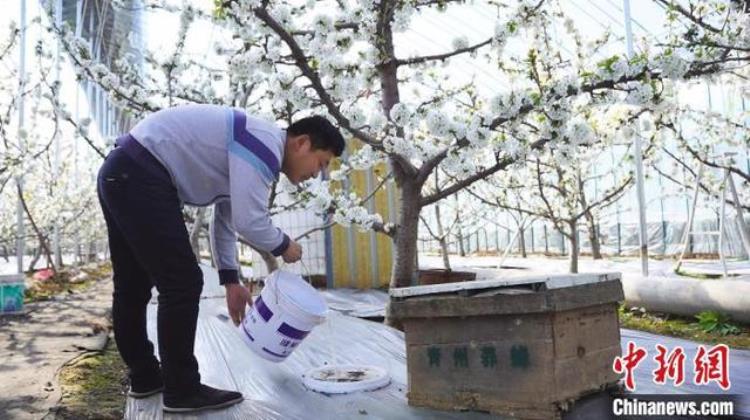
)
(711, 141)
(568, 186)
(340, 58)
(51, 195)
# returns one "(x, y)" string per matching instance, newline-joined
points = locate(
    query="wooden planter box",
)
(441, 275)
(521, 348)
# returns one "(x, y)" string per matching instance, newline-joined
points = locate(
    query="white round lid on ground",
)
(345, 379)
(300, 293)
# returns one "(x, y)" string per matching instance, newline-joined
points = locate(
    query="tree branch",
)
(423, 59)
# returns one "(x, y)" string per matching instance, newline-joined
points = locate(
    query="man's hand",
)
(237, 298)
(293, 252)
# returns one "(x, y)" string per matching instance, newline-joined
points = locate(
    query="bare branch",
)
(340, 26)
(436, 57)
(500, 165)
(671, 4)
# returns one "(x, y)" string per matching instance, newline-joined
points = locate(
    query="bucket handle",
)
(284, 264)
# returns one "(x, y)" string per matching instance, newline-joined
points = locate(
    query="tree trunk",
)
(444, 252)
(460, 240)
(573, 238)
(195, 232)
(593, 236)
(92, 252)
(405, 266)
(35, 258)
(406, 236)
(272, 264)
(40, 236)
(441, 235)
(211, 253)
(57, 247)
(522, 241)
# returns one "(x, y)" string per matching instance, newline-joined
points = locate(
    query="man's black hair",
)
(323, 135)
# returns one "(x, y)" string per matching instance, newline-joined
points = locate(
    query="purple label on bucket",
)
(273, 353)
(263, 309)
(247, 333)
(292, 332)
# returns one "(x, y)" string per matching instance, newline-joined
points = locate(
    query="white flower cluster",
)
(558, 110)
(400, 114)
(673, 65)
(641, 93)
(356, 116)
(616, 67)
(460, 42)
(744, 28)
(365, 158)
(477, 134)
(323, 24)
(377, 121)
(282, 14)
(579, 132)
(564, 86)
(402, 18)
(400, 146)
(349, 212)
(512, 147)
(508, 105)
(503, 31)
(438, 123)
(620, 68)
(460, 163)
(247, 5)
(320, 198)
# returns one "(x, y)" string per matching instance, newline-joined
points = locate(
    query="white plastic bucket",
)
(282, 316)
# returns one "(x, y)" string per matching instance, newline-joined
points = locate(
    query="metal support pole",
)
(691, 219)
(740, 218)
(638, 159)
(722, 217)
(20, 231)
(56, 166)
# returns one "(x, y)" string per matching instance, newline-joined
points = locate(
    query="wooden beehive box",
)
(520, 347)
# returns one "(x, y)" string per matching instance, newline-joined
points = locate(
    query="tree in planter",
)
(345, 63)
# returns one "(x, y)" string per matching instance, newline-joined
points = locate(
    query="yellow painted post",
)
(352, 261)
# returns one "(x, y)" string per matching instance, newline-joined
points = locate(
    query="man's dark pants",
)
(150, 246)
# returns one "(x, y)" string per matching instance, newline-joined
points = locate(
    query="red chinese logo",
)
(671, 365)
(627, 364)
(712, 365)
(709, 366)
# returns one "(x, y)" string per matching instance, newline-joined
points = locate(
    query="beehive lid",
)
(345, 379)
(549, 282)
(11, 278)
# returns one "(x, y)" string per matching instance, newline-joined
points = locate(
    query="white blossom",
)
(640, 94)
(437, 123)
(460, 42)
(400, 114)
